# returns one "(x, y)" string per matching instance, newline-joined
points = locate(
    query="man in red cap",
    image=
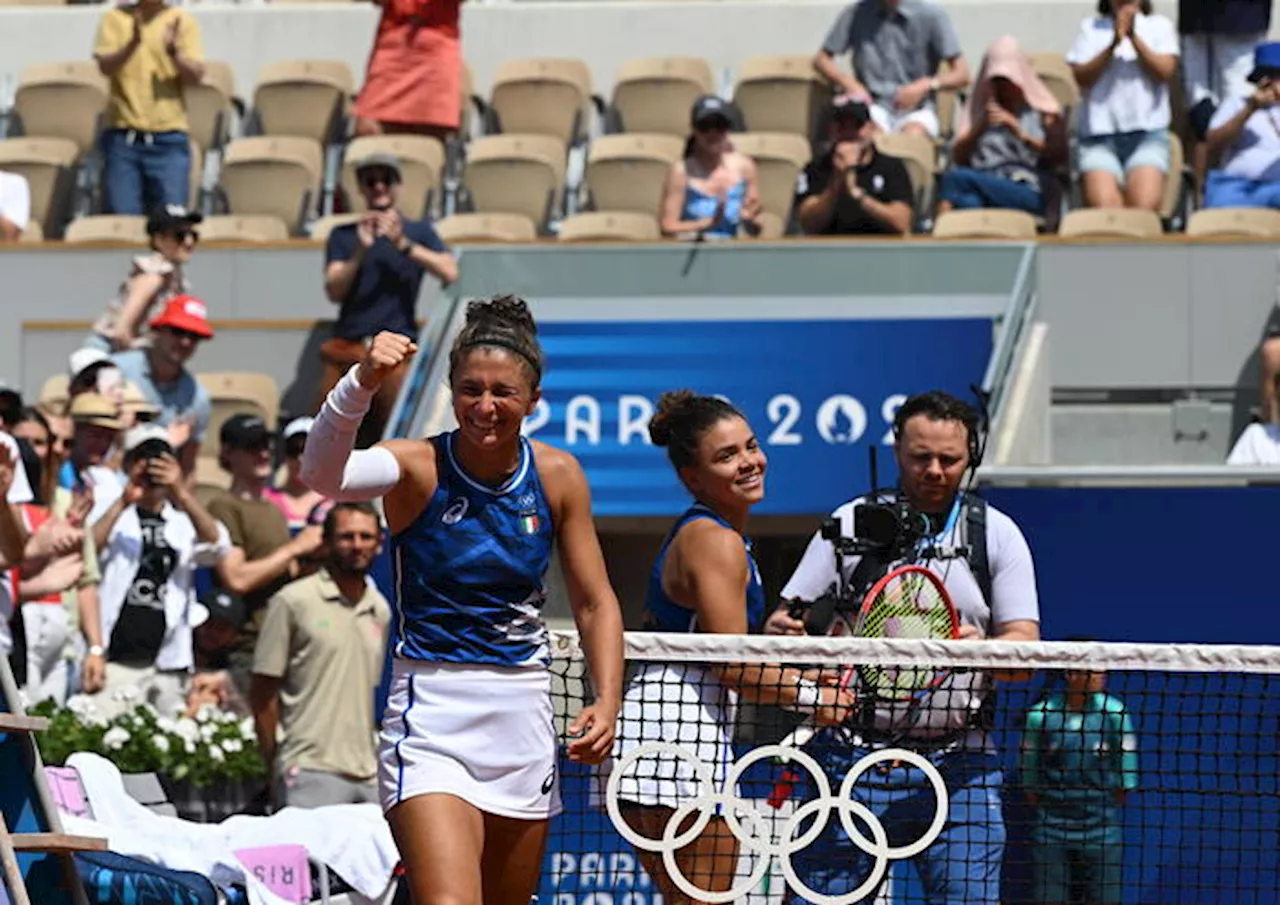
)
(160, 371)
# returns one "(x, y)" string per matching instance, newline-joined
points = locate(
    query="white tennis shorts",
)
(483, 733)
(684, 704)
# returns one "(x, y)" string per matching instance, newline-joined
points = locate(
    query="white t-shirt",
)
(1256, 152)
(1124, 99)
(1258, 445)
(15, 199)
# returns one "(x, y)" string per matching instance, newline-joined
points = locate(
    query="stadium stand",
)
(648, 95)
(985, 224)
(276, 175)
(626, 172)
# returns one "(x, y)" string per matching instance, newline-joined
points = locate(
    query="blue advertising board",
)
(818, 393)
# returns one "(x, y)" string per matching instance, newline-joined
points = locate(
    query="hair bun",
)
(671, 407)
(503, 312)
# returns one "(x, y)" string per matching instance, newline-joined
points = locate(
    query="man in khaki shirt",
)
(149, 51)
(316, 664)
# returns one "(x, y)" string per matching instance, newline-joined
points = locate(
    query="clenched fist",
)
(388, 352)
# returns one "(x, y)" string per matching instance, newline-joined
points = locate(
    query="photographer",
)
(988, 571)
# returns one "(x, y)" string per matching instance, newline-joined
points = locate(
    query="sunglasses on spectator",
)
(714, 124)
(374, 178)
(185, 334)
(183, 235)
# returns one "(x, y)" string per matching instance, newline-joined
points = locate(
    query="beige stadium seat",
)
(604, 226)
(422, 161)
(48, 165)
(542, 97)
(626, 172)
(1057, 76)
(62, 100)
(487, 228)
(303, 98)
(1121, 223)
(515, 174)
(1235, 221)
(111, 229)
(232, 228)
(273, 175)
(322, 226)
(779, 159)
(656, 95)
(948, 105)
(210, 105)
(781, 94)
(921, 158)
(771, 227)
(235, 393)
(985, 224)
(33, 232)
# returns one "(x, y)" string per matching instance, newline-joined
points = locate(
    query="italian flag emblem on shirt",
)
(529, 522)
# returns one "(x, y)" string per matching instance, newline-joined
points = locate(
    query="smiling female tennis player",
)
(468, 746)
(705, 580)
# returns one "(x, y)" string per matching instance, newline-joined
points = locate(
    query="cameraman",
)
(995, 594)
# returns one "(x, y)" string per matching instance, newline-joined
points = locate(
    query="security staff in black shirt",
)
(852, 188)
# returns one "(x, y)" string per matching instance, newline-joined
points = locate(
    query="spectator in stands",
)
(10, 406)
(96, 428)
(374, 270)
(32, 426)
(1259, 444)
(92, 371)
(851, 188)
(159, 371)
(897, 47)
(1218, 38)
(149, 51)
(215, 640)
(1010, 132)
(713, 190)
(15, 206)
(156, 533)
(317, 663)
(413, 82)
(153, 279)
(263, 558)
(1124, 59)
(295, 500)
(1245, 135)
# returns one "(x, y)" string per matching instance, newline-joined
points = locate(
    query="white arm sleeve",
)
(328, 463)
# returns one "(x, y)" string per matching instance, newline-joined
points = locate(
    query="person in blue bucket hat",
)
(1244, 135)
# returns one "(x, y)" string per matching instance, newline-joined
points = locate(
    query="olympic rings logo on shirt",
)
(760, 841)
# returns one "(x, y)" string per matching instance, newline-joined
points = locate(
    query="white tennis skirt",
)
(483, 733)
(681, 704)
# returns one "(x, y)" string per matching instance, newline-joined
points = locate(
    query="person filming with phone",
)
(931, 520)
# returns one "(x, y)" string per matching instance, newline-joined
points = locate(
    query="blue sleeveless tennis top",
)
(662, 614)
(469, 571)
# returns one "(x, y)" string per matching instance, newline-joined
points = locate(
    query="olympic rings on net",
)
(760, 841)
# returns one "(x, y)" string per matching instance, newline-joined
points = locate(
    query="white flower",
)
(189, 747)
(161, 742)
(247, 730)
(80, 704)
(150, 709)
(215, 754)
(116, 737)
(208, 731)
(206, 713)
(233, 746)
(164, 724)
(228, 717)
(187, 730)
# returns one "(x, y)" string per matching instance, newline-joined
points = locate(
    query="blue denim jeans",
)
(1221, 190)
(969, 189)
(144, 170)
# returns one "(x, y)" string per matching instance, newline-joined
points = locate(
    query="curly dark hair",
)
(501, 322)
(681, 420)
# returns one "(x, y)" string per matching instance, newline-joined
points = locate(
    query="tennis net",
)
(1046, 772)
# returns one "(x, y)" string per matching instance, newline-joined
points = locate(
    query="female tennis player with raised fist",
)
(468, 747)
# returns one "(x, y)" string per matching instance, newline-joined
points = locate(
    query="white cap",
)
(83, 358)
(136, 436)
(298, 426)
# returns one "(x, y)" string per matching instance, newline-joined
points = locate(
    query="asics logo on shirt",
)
(549, 783)
(457, 509)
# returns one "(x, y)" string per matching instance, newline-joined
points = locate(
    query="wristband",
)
(808, 698)
(350, 399)
(97, 650)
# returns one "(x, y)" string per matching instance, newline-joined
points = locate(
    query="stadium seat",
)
(210, 105)
(985, 224)
(779, 159)
(597, 226)
(487, 228)
(321, 227)
(303, 98)
(1057, 76)
(274, 175)
(515, 174)
(62, 100)
(1235, 221)
(32, 232)
(542, 97)
(234, 393)
(1122, 223)
(781, 94)
(655, 95)
(626, 172)
(921, 158)
(107, 228)
(48, 165)
(771, 226)
(948, 104)
(231, 228)
(422, 162)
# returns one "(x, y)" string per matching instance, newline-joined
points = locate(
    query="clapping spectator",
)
(153, 279)
(713, 190)
(96, 428)
(156, 534)
(1245, 134)
(149, 51)
(296, 501)
(374, 270)
(1010, 131)
(851, 188)
(1124, 59)
(897, 47)
(15, 206)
